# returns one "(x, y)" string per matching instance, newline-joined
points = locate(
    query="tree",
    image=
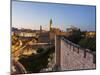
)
(76, 36)
(89, 43)
(35, 63)
(83, 43)
(40, 50)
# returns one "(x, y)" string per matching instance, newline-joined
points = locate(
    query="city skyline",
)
(31, 15)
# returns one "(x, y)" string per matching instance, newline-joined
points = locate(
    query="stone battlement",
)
(85, 53)
(70, 56)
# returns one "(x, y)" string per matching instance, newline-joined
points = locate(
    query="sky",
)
(31, 15)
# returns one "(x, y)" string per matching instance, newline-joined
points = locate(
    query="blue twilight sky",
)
(31, 15)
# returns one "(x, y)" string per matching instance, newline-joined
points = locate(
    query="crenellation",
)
(81, 52)
(73, 57)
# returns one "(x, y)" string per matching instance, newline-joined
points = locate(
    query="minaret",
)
(50, 24)
(40, 29)
(50, 32)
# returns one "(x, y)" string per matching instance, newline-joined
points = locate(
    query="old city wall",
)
(70, 56)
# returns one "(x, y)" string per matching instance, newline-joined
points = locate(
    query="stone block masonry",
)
(69, 56)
